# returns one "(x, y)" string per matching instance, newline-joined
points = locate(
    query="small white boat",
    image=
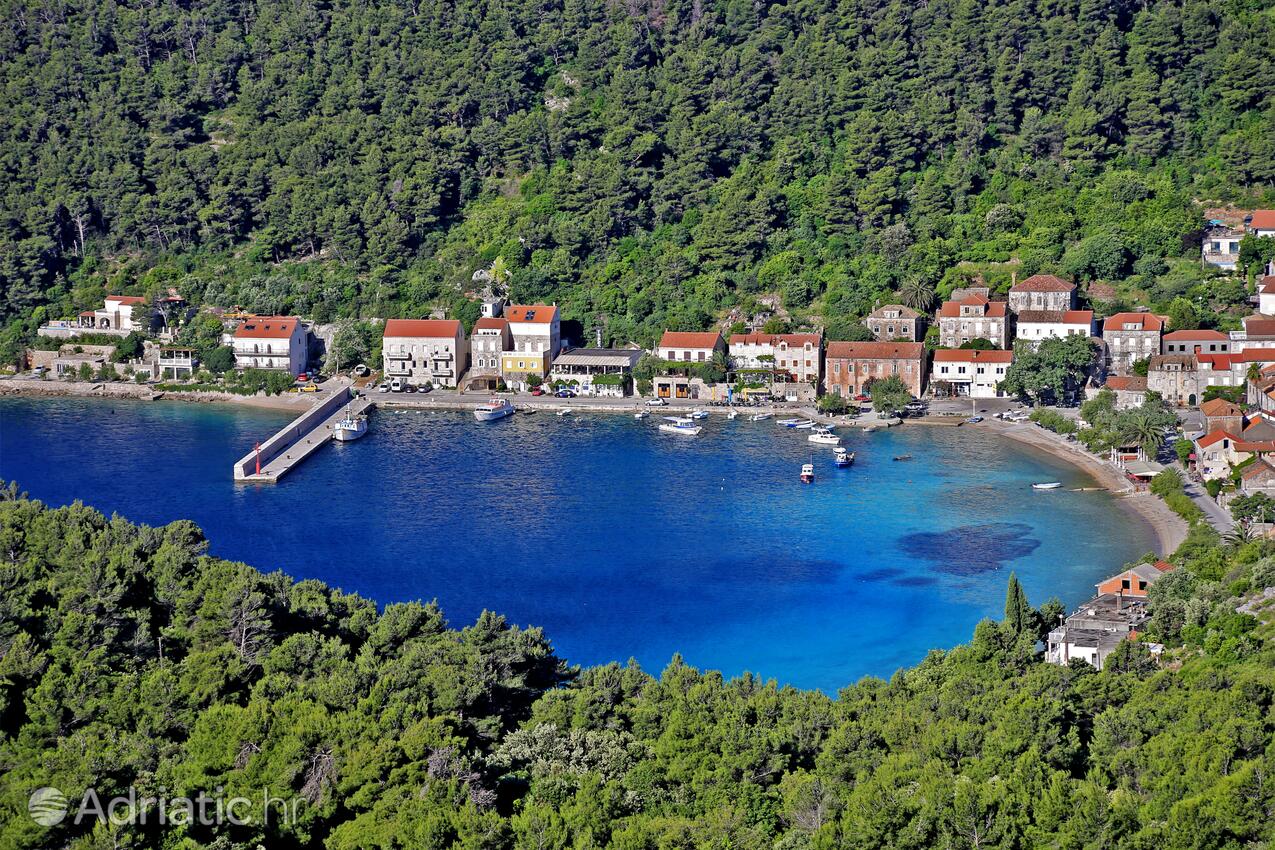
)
(566, 411)
(641, 414)
(496, 408)
(807, 473)
(349, 428)
(843, 457)
(1047, 485)
(699, 414)
(760, 417)
(806, 424)
(788, 423)
(680, 425)
(825, 439)
(733, 413)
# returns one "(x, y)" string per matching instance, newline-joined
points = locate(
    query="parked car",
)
(309, 388)
(383, 388)
(409, 388)
(862, 397)
(538, 391)
(564, 394)
(396, 385)
(424, 388)
(656, 402)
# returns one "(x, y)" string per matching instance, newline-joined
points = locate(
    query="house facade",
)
(798, 357)
(1042, 292)
(535, 338)
(490, 339)
(1131, 337)
(1220, 414)
(851, 367)
(1266, 295)
(1130, 390)
(271, 342)
(1035, 325)
(1221, 246)
(425, 351)
(596, 371)
(1216, 452)
(690, 347)
(896, 322)
(1260, 223)
(1195, 342)
(974, 318)
(976, 374)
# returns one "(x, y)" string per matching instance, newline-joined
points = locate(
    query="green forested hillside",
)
(129, 658)
(645, 163)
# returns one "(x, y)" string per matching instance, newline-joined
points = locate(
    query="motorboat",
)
(733, 413)
(349, 428)
(807, 473)
(1047, 485)
(680, 425)
(805, 424)
(789, 423)
(566, 411)
(824, 438)
(699, 414)
(496, 408)
(641, 414)
(843, 457)
(903, 457)
(760, 417)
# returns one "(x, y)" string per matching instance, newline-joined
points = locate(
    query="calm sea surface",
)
(620, 541)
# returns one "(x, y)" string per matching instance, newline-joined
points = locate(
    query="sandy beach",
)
(1169, 528)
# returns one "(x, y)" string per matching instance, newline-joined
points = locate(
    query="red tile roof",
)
(1216, 362)
(877, 350)
(1214, 436)
(1163, 566)
(1145, 322)
(690, 339)
(127, 299)
(487, 323)
(965, 355)
(1220, 407)
(1255, 446)
(535, 313)
(1174, 336)
(798, 340)
(423, 328)
(266, 327)
(1043, 283)
(993, 309)
(1135, 383)
(1267, 284)
(1263, 220)
(1259, 325)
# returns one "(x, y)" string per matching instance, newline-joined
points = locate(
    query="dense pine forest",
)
(130, 658)
(644, 163)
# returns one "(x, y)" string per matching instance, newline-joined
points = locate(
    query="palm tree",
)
(1239, 534)
(1142, 429)
(917, 294)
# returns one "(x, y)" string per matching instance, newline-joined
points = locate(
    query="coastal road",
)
(1217, 515)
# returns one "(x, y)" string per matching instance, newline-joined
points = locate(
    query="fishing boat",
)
(349, 428)
(680, 425)
(843, 457)
(496, 408)
(1047, 485)
(733, 413)
(788, 423)
(824, 438)
(807, 473)
(760, 417)
(903, 457)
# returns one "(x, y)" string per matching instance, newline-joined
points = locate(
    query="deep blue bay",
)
(618, 540)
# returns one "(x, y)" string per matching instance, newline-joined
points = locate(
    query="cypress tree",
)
(1018, 612)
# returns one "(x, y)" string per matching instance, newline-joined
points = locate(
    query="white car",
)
(656, 402)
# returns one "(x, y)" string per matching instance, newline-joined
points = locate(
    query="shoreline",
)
(1167, 528)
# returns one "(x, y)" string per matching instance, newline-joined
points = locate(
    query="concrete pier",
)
(297, 440)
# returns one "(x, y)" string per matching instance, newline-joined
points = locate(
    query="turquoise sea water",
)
(620, 541)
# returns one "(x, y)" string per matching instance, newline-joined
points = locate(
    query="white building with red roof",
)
(1217, 452)
(1035, 325)
(271, 342)
(798, 356)
(975, 374)
(1131, 337)
(424, 351)
(1042, 292)
(121, 314)
(689, 346)
(974, 317)
(1261, 223)
(535, 332)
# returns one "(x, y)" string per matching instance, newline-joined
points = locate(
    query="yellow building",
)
(515, 366)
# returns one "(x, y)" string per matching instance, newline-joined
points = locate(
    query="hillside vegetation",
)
(644, 163)
(129, 657)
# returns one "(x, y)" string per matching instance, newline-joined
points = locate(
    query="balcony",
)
(398, 355)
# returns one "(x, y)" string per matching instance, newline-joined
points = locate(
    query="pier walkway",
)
(299, 439)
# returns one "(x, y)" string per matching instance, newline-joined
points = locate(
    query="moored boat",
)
(903, 457)
(760, 417)
(496, 408)
(349, 428)
(641, 414)
(699, 414)
(680, 425)
(808, 423)
(566, 411)
(1047, 485)
(825, 438)
(733, 413)
(843, 457)
(807, 473)
(788, 423)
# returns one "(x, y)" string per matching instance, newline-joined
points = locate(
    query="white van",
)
(396, 385)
